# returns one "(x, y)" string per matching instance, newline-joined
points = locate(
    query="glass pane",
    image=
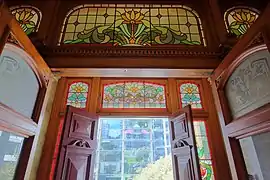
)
(19, 84)
(207, 170)
(256, 154)
(142, 147)
(128, 25)
(239, 20)
(203, 150)
(77, 94)
(134, 95)
(9, 154)
(190, 94)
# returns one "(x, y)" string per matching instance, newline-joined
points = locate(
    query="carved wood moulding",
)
(124, 51)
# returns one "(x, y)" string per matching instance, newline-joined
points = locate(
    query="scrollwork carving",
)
(181, 143)
(127, 52)
(80, 143)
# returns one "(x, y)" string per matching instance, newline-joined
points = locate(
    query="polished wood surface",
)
(77, 146)
(184, 150)
(254, 122)
(14, 122)
(173, 105)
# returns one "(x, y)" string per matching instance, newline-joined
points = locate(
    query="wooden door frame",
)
(215, 138)
(13, 38)
(256, 39)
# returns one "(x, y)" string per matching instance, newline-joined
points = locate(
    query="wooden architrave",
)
(43, 73)
(245, 125)
(122, 57)
(250, 123)
(37, 63)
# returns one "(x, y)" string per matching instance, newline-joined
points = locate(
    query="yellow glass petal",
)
(17, 16)
(137, 15)
(140, 18)
(22, 15)
(132, 15)
(243, 16)
(27, 14)
(252, 18)
(248, 16)
(237, 17)
(128, 16)
(30, 16)
(124, 17)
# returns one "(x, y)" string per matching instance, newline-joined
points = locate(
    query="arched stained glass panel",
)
(77, 94)
(134, 95)
(132, 25)
(239, 19)
(190, 94)
(28, 17)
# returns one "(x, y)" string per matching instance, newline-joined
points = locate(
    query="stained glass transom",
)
(204, 154)
(190, 94)
(132, 25)
(134, 95)
(77, 94)
(28, 17)
(239, 19)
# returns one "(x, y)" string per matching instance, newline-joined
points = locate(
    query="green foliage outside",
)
(159, 170)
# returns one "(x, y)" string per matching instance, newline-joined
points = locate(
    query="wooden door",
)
(77, 146)
(184, 150)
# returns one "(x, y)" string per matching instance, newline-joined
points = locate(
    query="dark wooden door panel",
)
(77, 146)
(184, 150)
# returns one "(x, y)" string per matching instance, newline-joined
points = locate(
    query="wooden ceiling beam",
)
(133, 62)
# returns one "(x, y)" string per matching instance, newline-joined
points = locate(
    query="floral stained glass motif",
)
(132, 25)
(77, 94)
(28, 17)
(239, 19)
(134, 95)
(190, 94)
(204, 154)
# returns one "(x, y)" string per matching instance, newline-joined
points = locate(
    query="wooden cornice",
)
(108, 51)
(127, 57)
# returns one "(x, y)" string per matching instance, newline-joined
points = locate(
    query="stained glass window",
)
(134, 95)
(239, 19)
(28, 17)
(77, 94)
(203, 150)
(190, 94)
(132, 25)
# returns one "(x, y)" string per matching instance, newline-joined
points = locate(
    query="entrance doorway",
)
(133, 148)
